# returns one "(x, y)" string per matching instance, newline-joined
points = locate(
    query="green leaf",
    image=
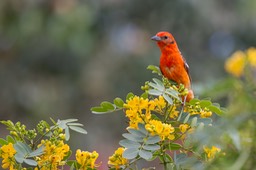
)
(180, 158)
(152, 140)
(22, 148)
(10, 139)
(19, 157)
(98, 110)
(130, 153)
(182, 116)
(129, 144)
(144, 95)
(193, 122)
(62, 124)
(70, 162)
(37, 152)
(156, 86)
(119, 102)
(145, 154)
(173, 93)
(107, 105)
(67, 121)
(234, 135)
(155, 117)
(53, 121)
(153, 147)
(186, 118)
(215, 109)
(154, 69)
(155, 92)
(194, 101)
(158, 82)
(3, 142)
(75, 124)
(78, 129)
(132, 137)
(136, 132)
(205, 103)
(142, 128)
(168, 99)
(67, 134)
(129, 95)
(174, 146)
(30, 162)
(205, 121)
(67, 156)
(169, 158)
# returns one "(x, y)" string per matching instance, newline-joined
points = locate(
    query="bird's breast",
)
(172, 67)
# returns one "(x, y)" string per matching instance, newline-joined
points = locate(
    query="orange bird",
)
(172, 65)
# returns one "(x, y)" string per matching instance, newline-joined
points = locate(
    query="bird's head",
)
(165, 40)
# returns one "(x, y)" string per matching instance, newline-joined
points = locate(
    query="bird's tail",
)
(190, 95)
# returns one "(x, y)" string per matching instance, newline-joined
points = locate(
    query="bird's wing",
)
(186, 66)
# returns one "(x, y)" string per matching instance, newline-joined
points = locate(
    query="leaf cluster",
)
(27, 142)
(141, 144)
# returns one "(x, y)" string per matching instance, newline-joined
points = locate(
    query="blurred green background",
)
(59, 58)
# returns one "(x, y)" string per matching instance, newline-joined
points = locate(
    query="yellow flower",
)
(86, 159)
(137, 103)
(235, 64)
(205, 113)
(251, 54)
(53, 156)
(138, 109)
(197, 109)
(183, 127)
(174, 113)
(156, 127)
(117, 160)
(160, 103)
(7, 153)
(211, 152)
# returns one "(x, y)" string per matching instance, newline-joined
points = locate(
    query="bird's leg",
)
(183, 103)
(182, 107)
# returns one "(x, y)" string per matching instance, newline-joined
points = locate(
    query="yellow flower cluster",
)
(184, 127)
(138, 109)
(117, 160)
(164, 130)
(236, 63)
(7, 152)
(86, 159)
(198, 110)
(173, 112)
(211, 152)
(53, 155)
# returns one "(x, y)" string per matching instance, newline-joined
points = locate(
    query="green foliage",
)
(24, 152)
(107, 107)
(142, 143)
(30, 147)
(180, 135)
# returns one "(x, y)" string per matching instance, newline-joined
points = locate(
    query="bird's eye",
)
(165, 37)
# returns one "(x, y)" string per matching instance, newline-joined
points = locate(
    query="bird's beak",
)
(156, 38)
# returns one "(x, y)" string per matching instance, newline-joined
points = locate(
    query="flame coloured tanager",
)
(172, 65)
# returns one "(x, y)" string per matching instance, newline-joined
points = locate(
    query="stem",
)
(164, 159)
(132, 162)
(167, 114)
(39, 139)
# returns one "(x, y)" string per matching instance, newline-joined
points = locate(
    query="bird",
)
(172, 64)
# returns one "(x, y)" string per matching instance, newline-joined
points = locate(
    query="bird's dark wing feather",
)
(186, 66)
